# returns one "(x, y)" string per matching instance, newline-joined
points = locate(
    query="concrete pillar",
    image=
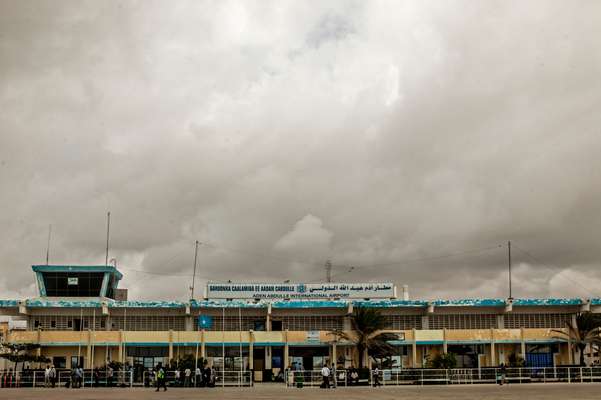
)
(334, 355)
(170, 344)
(251, 359)
(120, 345)
(425, 322)
(203, 347)
(414, 351)
(493, 353)
(523, 343)
(444, 340)
(268, 318)
(39, 340)
(267, 357)
(89, 363)
(286, 363)
(500, 321)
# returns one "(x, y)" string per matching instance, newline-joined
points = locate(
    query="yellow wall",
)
(113, 337)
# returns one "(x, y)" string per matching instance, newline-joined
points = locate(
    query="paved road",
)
(270, 392)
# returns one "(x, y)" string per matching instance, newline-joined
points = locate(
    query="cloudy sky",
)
(404, 141)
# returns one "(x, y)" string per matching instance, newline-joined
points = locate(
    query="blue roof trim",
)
(291, 304)
(310, 304)
(470, 303)
(63, 303)
(385, 303)
(547, 302)
(146, 304)
(78, 268)
(227, 304)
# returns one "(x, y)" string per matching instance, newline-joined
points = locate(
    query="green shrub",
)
(442, 361)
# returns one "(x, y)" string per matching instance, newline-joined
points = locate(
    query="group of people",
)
(50, 376)
(183, 377)
(9, 379)
(76, 378)
(350, 375)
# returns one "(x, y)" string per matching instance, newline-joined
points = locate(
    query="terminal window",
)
(64, 284)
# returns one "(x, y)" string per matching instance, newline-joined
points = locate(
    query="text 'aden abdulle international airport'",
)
(267, 327)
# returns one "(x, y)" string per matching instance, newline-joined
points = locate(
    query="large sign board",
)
(300, 290)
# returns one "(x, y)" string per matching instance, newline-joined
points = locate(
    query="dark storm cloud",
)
(405, 141)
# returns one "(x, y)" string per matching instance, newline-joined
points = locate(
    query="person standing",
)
(197, 376)
(325, 376)
(187, 375)
(52, 376)
(109, 376)
(47, 376)
(178, 377)
(74, 378)
(79, 377)
(96, 377)
(206, 376)
(161, 378)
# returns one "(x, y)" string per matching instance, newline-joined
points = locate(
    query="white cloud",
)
(429, 130)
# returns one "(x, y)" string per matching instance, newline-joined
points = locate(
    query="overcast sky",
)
(405, 141)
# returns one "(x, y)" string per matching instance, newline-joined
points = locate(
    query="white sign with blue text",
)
(384, 290)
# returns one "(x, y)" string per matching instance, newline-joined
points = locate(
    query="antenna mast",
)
(328, 271)
(108, 228)
(194, 274)
(48, 245)
(509, 265)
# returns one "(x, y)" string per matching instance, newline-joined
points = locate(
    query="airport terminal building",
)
(81, 314)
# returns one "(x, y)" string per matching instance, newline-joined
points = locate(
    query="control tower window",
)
(66, 284)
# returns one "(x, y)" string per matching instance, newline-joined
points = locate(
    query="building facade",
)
(76, 319)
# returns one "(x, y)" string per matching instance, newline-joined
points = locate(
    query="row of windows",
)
(515, 321)
(67, 322)
(463, 321)
(296, 323)
(402, 322)
(149, 323)
(311, 323)
(244, 323)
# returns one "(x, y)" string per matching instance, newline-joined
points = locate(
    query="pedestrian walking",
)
(376, 376)
(325, 376)
(502, 374)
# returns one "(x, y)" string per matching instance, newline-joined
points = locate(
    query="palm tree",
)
(21, 353)
(585, 330)
(368, 324)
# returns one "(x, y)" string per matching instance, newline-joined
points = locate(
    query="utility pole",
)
(194, 274)
(509, 265)
(328, 271)
(48, 245)
(108, 228)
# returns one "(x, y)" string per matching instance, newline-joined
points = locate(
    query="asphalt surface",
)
(267, 392)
